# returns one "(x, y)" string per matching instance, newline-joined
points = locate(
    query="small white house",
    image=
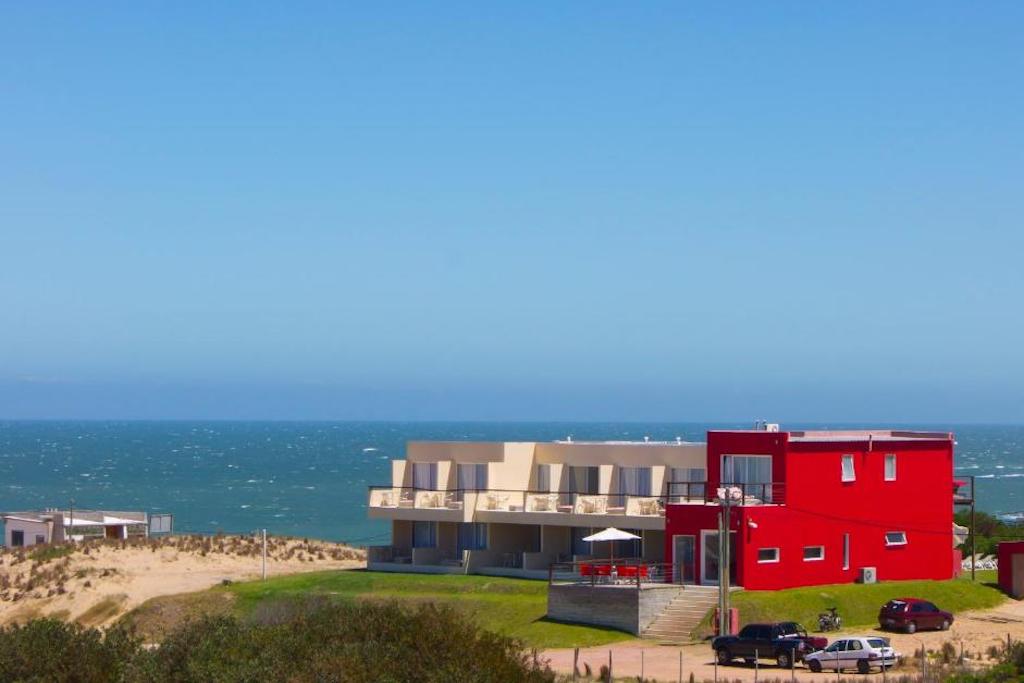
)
(23, 529)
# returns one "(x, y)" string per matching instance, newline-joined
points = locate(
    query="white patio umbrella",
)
(611, 534)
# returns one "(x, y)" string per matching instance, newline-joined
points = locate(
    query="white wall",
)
(31, 530)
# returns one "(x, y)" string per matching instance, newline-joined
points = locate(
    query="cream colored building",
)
(515, 508)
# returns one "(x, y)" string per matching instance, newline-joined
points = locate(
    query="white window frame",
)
(890, 543)
(775, 561)
(852, 476)
(890, 458)
(821, 555)
(846, 551)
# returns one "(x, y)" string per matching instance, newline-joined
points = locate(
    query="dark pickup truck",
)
(786, 642)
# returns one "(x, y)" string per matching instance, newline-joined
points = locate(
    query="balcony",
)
(518, 507)
(704, 493)
(404, 502)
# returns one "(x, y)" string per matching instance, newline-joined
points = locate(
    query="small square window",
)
(765, 555)
(813, 553)
(849, 473)
(890, 467)
(895, 538)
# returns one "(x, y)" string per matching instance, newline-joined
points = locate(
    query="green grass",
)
(858, 604)
(45, 553)
(513, 607)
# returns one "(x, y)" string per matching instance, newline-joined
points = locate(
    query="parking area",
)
(976, 631)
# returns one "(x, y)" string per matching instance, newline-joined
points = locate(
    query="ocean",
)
(310, 478)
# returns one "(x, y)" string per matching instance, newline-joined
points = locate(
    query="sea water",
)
(311, 478)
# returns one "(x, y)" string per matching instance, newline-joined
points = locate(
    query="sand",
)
(977, 631)
(100, 581)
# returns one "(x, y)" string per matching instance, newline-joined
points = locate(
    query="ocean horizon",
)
(310, 478)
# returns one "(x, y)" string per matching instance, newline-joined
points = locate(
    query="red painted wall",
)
(820, 508)
(1007, 550)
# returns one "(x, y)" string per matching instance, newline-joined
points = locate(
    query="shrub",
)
(298, 642)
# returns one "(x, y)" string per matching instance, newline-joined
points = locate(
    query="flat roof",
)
(650, 442)
(847, 434)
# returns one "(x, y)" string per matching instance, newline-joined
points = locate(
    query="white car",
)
(860, 653)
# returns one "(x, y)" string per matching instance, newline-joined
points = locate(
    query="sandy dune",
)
(100, 581)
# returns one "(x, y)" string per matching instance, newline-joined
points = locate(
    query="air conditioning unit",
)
(868, 575)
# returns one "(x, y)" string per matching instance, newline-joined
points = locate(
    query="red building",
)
(818, 508)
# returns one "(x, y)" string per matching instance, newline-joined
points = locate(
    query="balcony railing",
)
(566, 502)
(626, 572)
(408, 497)
(508, 500)
(701, 492)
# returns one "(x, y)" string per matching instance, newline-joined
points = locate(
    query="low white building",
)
(23, 529)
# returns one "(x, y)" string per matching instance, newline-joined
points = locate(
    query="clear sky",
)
(679, 211)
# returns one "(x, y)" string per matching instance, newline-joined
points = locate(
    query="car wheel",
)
(863, 666)
(724, 656)
(945, 625)
(814, 665)
(784, 660)
(911, 627)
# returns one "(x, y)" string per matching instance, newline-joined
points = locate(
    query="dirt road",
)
(975, 631)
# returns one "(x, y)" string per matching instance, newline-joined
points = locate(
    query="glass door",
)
(711, 559)
(683, 559)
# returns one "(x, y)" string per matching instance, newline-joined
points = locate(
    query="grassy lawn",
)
(858, 604)
(514, 607)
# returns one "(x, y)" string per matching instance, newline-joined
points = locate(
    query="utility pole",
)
(725, 498)
(264, 554)
(71, 519)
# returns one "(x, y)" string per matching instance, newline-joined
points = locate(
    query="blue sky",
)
(798, 211)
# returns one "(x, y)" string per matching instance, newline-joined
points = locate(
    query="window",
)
(688, 483)
(753, 473)
(473, 477)
(472, 536)
(40, 539)
(583, 479)
(895, 538)
(424, 475)
(854, 645)
(890, 467)
(813, 553)
(631, 548)
(765, 555)
(424, 534)
(849, 474)
(577, 546)
(634, 481)
(846, 551)
(838, 646)
(17, 539)
(544, 478)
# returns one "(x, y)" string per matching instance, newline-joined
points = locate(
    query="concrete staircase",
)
(683, 614)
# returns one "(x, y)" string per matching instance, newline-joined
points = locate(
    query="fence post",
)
(681, 666)
(641, 665)
(757, 664)
(575, 663)
(610, 677)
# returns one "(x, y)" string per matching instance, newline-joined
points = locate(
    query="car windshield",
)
(895, 606)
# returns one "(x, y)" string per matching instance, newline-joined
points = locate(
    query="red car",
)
(911, 614)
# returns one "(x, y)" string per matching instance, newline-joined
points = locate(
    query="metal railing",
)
(571, 502)
(410, 497)
(625, 572)
(515, 500)
(701, 492)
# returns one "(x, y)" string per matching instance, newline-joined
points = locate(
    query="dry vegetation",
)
(95, 581)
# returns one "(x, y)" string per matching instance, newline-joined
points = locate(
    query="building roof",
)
(79, 518)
